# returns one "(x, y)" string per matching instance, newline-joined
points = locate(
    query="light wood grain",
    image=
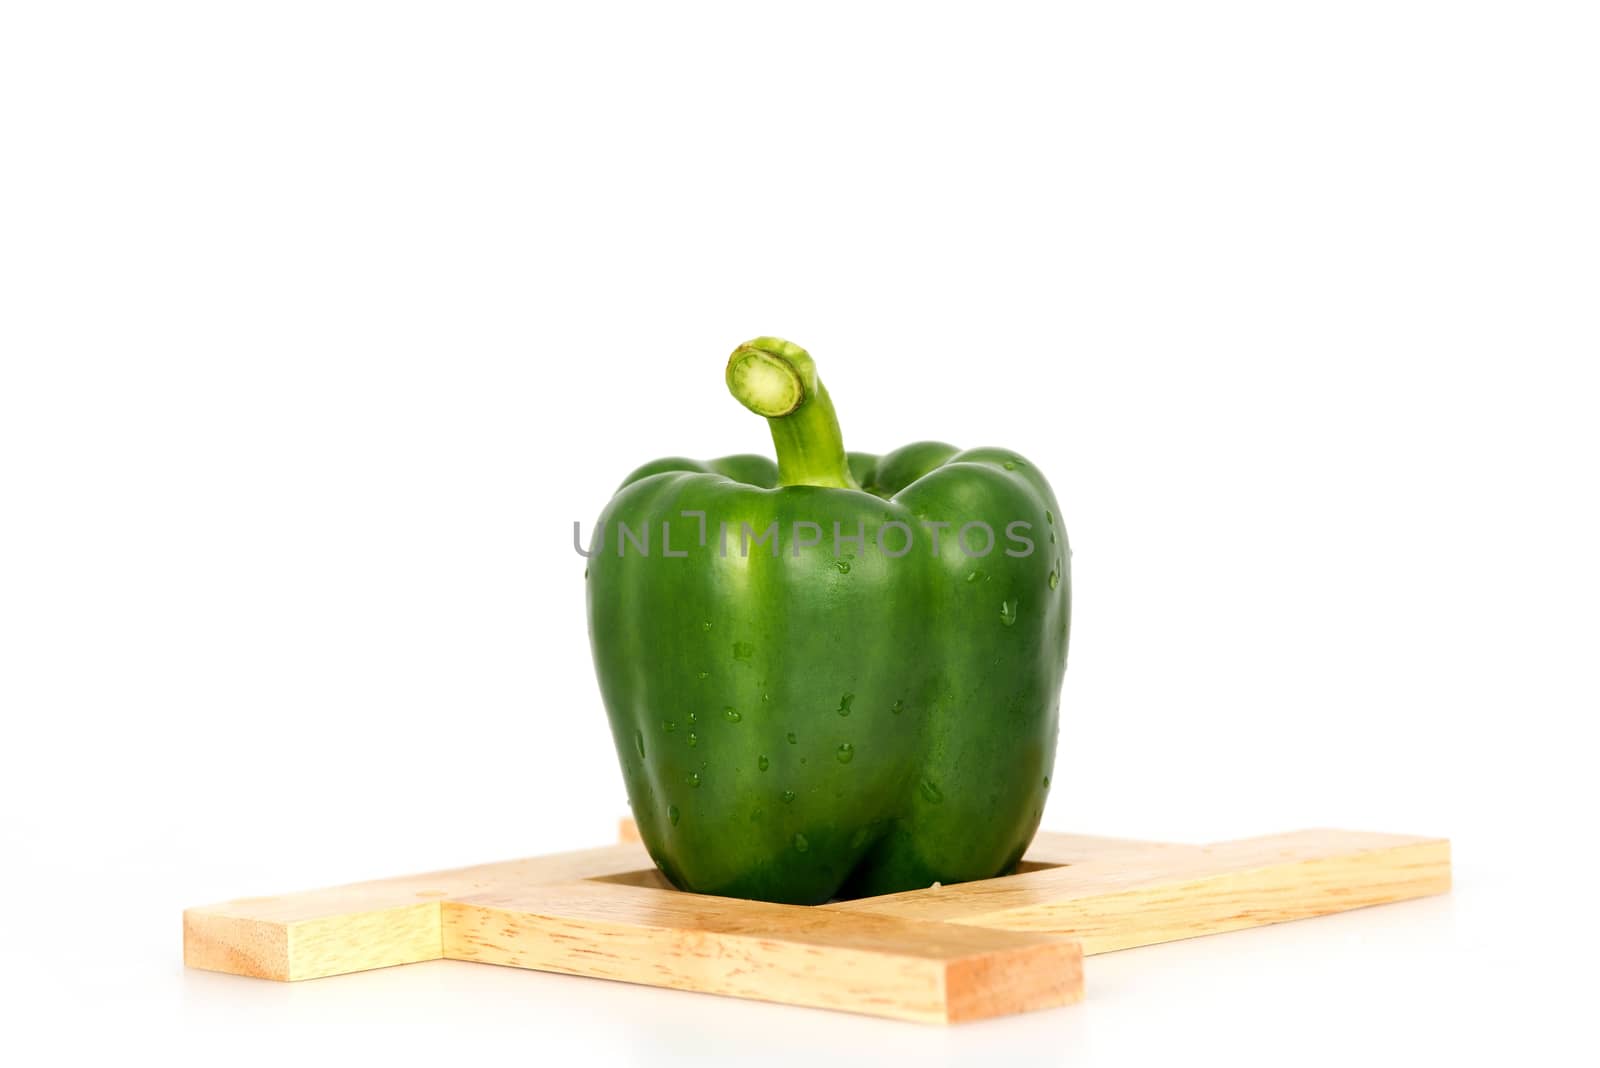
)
(940, 954)
(376, 924)
(1137, 898)
(878, 965)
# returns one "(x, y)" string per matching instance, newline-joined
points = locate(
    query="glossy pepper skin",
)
(806, 726)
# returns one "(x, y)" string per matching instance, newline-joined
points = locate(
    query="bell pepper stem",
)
(778, 379)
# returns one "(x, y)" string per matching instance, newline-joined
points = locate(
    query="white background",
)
(321, 323)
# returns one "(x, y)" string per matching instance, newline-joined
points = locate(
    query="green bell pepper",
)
(834, 676)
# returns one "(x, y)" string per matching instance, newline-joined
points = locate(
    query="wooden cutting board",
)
(940, 955)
